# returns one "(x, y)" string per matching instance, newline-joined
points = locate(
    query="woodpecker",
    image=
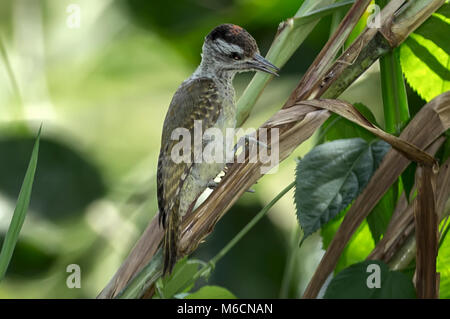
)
(207, 96)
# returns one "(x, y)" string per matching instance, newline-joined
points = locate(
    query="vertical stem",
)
(144, 279)
(290, 263)
(250, 224)
(395, 102)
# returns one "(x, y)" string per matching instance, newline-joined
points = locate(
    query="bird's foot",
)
(214, 184)
(245, 141)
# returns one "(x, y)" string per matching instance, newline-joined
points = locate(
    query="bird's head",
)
(231, 48)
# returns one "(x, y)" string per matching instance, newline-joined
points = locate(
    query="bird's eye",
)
(235, 56)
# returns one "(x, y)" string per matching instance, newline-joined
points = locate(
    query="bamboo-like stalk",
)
(296, 124)
(328, 52)
(211, 264)
(395, 103)
(290, 34)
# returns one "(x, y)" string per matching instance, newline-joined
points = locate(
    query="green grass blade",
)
(20, 211)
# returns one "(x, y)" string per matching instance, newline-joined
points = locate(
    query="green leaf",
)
(20, 211)
(329, 230)
(178, 281)
(354, 281)
(358, 247)
(443, 267)
(409, 179)
(211, 292)
(425, 55)
(337, 127)
(444, 152)
(381, 214)
(358, 29)
(331, 176)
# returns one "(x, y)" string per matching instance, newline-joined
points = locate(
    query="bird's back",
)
(195, 100)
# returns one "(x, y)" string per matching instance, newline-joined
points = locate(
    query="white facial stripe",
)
(228, 48)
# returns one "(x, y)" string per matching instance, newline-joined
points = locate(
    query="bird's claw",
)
(245, 140)
(214, 184)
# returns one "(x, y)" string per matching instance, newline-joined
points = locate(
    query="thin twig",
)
(211, 264)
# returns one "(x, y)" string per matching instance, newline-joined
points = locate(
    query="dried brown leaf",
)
(432, 120)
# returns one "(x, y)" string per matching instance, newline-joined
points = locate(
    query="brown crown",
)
(234, 34)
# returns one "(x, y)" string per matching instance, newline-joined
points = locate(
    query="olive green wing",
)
(194, 100)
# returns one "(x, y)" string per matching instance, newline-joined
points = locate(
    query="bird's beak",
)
(261, 64)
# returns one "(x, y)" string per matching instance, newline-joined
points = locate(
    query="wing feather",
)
(196, 99)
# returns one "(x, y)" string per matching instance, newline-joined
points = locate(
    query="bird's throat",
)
(216, 71)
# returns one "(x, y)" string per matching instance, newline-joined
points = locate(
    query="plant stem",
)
(351, 65)
(405, 255)
(293, 249)
(210, 265)
(145, 278)
(395, 102)
(152, 271)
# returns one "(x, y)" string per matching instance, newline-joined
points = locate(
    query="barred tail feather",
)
(160, 193)
(171, 243)
(171, 237)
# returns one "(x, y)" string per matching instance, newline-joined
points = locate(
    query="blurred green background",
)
(101, 91)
